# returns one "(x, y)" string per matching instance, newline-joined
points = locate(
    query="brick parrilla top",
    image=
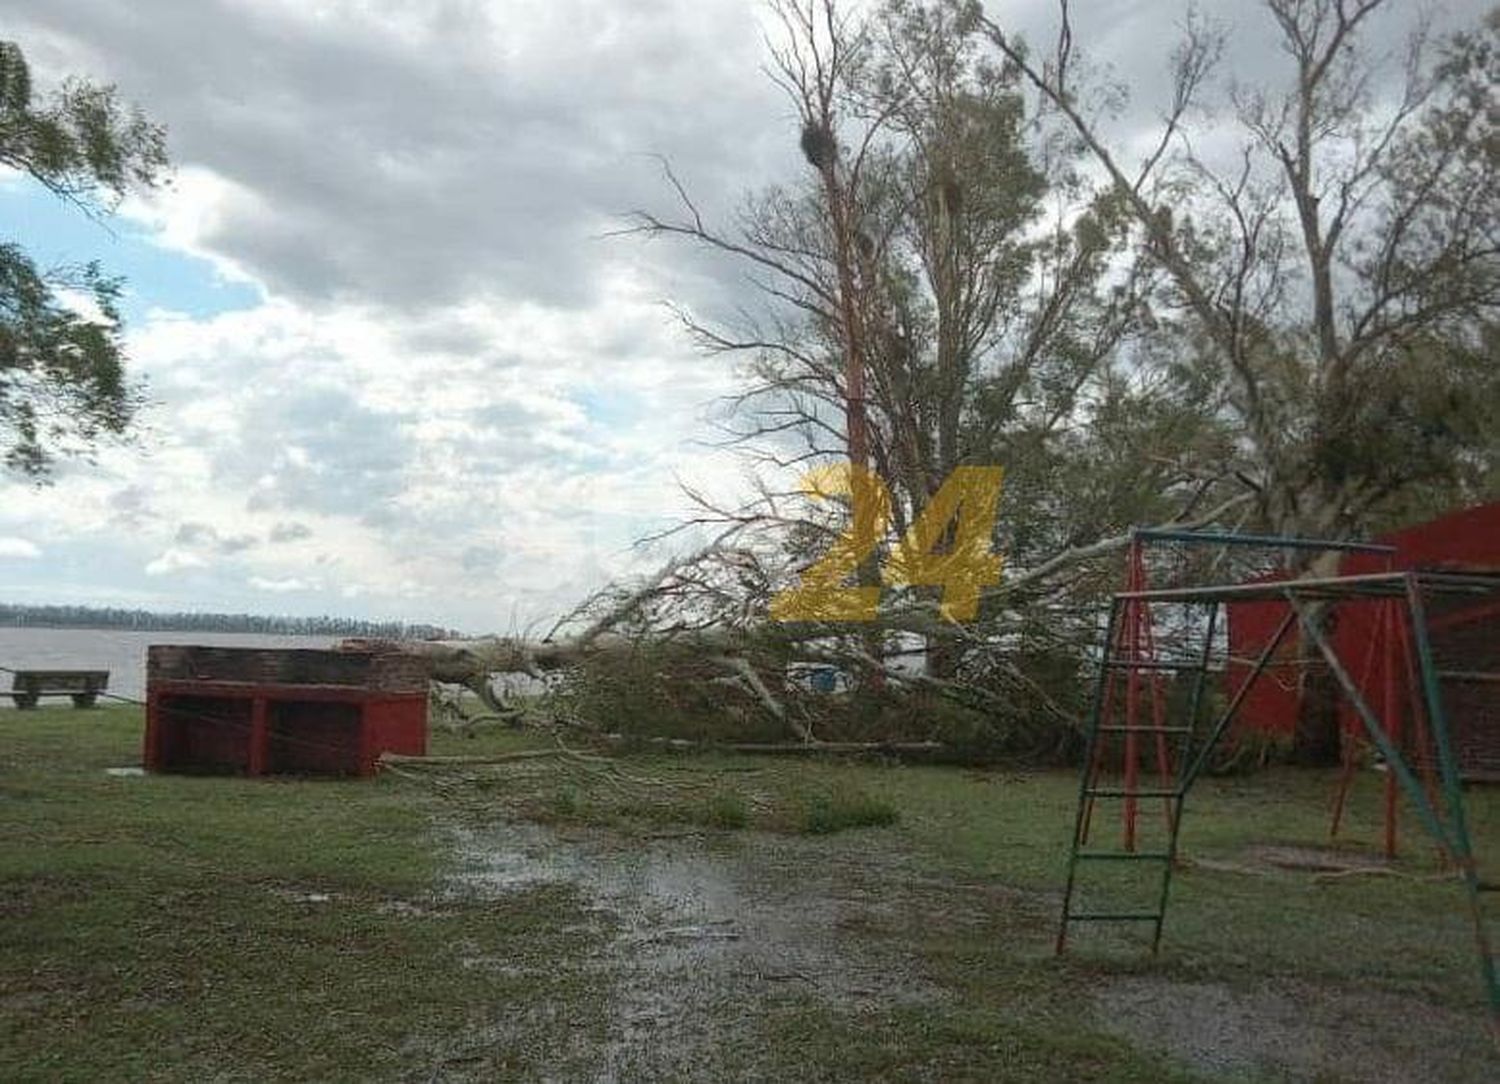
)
(384, 671)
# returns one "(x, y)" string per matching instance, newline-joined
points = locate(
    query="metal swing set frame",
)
(1129, 653)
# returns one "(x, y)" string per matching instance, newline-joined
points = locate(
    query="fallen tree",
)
(670, 636)
(1297, 342)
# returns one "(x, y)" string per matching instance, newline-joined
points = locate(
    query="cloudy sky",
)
(397, 366)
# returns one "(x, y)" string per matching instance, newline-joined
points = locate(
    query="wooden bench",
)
(84, 686)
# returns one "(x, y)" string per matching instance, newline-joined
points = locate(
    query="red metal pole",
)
(854, 381)
(1132, 690)
(854, 369)
(856, 430)
(1391, 720)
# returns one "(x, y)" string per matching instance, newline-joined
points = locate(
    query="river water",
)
(121, 652)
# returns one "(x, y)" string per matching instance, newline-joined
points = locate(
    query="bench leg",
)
(84, 700)
(25, 701)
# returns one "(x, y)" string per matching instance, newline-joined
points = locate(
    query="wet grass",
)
(1407, 932)
(1404, 935)
(842, 808)
(648, 794)
(183, 928)
(727, 809)
(195, 928)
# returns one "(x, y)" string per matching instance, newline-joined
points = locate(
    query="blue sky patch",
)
(54, 233)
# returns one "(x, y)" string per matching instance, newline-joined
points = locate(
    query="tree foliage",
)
(942, 244)
(1276, 312)
(63, 384)
(1337, 272)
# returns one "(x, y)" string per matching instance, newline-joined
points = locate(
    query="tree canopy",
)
(63, 385)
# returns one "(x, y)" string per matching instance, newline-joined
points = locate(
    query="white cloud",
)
(354, 457)
(281, 587)
(174, 560)
(19, 548)
(417, 155)
(81, 303)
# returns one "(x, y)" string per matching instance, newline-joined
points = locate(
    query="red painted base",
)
(259, 729)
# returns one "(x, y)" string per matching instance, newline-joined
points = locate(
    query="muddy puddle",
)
(710, 930)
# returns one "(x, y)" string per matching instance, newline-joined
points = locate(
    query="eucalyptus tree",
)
(1337, 271)
(63, 385)
(936, 236)
(939, 290)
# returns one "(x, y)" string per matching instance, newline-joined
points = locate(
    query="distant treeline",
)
(95, 617)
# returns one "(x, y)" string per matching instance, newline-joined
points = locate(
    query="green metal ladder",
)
(1165, 858)
(1190, 762)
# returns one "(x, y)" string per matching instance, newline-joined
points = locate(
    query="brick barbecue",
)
(259, 711)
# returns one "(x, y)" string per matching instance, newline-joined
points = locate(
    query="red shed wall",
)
(1466, 540)
(336, 732)
(1270, 705)
(393, 725)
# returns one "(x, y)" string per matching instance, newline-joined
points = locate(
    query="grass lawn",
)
(865, 921)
